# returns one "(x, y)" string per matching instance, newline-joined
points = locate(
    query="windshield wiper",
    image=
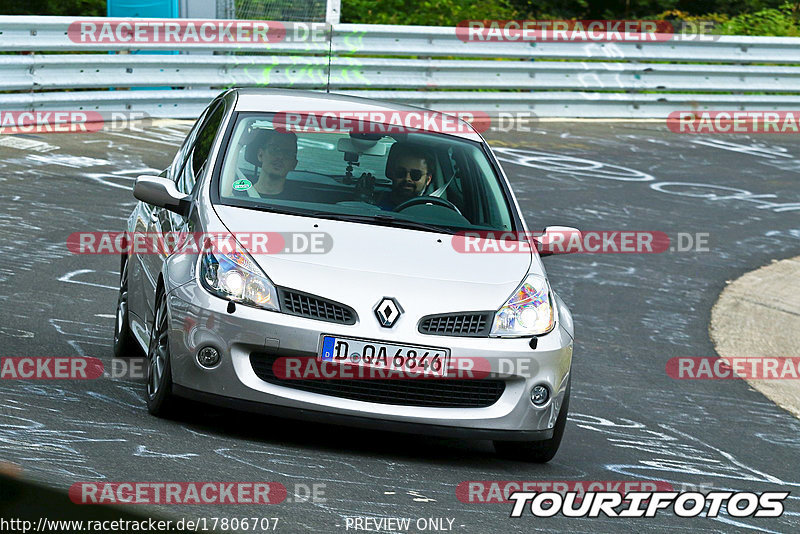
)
(385, 220)
(271, 209)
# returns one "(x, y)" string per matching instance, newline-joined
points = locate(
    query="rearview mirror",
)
(370, 147)
(161, 192)
(559, 240)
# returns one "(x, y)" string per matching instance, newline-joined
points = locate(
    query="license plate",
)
(410, 359)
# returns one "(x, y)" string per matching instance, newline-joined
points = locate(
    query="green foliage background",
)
(72, 8)
(736, 17)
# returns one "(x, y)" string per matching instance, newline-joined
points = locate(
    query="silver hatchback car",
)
(323, 257)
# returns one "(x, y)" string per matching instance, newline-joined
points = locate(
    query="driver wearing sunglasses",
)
(410, 172)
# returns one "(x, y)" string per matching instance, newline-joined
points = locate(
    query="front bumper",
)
(199, 319)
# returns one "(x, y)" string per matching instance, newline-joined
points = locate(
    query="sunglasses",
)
(401, 172)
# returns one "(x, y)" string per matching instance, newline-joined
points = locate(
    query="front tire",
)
(125, 345)
(160, 400)
(538, 451)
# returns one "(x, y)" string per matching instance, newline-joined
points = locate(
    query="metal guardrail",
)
(567, 79)
(188, 103)
(39, 71)
(443, 41)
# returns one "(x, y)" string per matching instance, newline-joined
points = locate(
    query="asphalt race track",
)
(629, 420)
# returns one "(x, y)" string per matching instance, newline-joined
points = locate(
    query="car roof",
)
(272, 100)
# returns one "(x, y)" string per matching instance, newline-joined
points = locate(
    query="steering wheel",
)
(428, 199)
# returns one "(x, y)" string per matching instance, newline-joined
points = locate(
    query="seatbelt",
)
(440, 191)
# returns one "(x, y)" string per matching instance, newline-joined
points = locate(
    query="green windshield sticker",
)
(242, 185)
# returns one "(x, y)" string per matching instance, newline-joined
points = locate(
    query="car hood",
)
(367, 262)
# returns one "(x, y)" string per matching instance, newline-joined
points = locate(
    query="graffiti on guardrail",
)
(584, 31)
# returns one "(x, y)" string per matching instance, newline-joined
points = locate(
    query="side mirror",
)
(161, 192)
(559, 240)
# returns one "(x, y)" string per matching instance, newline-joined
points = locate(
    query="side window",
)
(197, 157)
(180, 156)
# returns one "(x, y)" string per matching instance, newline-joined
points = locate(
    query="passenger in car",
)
(274, 154)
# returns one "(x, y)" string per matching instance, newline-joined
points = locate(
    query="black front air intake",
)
(421, 392)
(467, 324)
(302, 304)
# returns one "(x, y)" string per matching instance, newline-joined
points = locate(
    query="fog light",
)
(540, 395)
(208, 357)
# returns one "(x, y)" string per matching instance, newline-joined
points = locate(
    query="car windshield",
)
(427, 181)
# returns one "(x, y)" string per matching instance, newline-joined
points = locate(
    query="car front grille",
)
(420, 392)
(310, 306)
(469, 324)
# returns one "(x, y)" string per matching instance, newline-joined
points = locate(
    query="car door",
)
(188, 166)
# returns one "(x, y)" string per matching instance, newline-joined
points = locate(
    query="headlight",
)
(528, 312)
(235, 276)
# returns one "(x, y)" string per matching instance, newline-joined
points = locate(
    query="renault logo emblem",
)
(388, 311)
